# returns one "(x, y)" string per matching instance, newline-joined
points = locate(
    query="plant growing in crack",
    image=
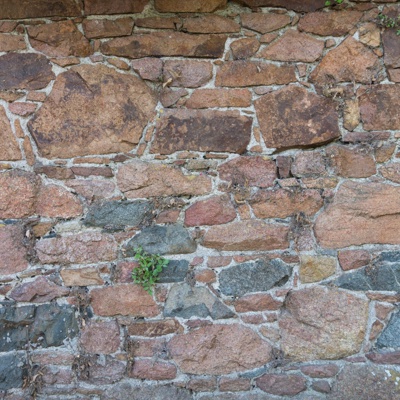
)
(147, 272)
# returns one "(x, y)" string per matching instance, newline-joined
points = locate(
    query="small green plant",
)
(149, 268)
(389, 22)
(329, 3)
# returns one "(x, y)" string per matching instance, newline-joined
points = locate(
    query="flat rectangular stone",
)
(114, 7)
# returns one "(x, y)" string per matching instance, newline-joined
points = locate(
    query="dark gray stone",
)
(46, 325)
(175, 271)
(54, 324)
(12, 370)
(390, 337)
(170, 239)
(129, 391)
(186, 301)
(253, 277)
(118, 215)
(384, 274)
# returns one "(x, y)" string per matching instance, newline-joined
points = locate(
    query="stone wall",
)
(252, 145)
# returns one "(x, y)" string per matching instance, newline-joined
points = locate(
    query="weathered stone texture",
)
(155, 328)
(391, 48)
(322, 324)
(253, 277)
(296, 5)
(210, 24)
(85, 247)
(257, 302)
(264, 23)
(247, 235)
(12, 371)
(24, 71)
(9, 149)
(293, 117)
(350, 61)
(170, 239)
(379, 107)
(154, 370)
(13, 254)
(294, 46)
(185, 301)
(360, 213)
(244, 48)
(141, 179)
(316, 268)
(20, 9)
(334, 23)
(187, 73)
(281, 385)
(198, 6)
(166, 44)
(59, 39)
(114, 7)
(130, 300)
(102, 28)
(73, 122)
(206, 130)
(81, 277)
(249, 73)
(205, 98)
(219, 349)
(11, 42)
(175, 271)
(100, 337)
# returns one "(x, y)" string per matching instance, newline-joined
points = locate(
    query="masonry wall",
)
(252, 144)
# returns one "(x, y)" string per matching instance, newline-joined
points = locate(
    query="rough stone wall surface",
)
(251, 143)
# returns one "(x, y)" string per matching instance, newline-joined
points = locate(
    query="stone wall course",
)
(251, 143)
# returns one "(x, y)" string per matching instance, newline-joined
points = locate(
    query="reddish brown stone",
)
(205, 276)
(158, 22)
(293, 117)
(379, 107)
(66, 61)
(119, 63)
(391, 171)
(213, 211)
(20, 9)
(351, 114)
(148, 68)
(13, 254)
(234, 384)
(293, 46)
(140, 179)
(187, 73)
(249, 73)
(391, 48)
(322, 323)
(244, 48)
(387, 298)
(93, 171)
(295, 5)
(360, 213)
(320, 370)
(384, 152)
(114, 7)
(7, 26)
(78, 249)
(394, 75)
(9, 149)
(152, 370)
(59, 39)
(100, 337)
(264, 23)
(247, 235)
(333, 23)
(198, 6)
(353, 259)
(11, 42)
(102, 28)
(202, 384)
(392, 357)
(209, 350)
(18, 190)
(209, 98)
(218, 261)
(249, 171)
(350, 61)
(81, 277)
(282, 203)
(206, 130)
(169, 96)
(148, 347)
(257, 302)
(22, 109)
(351, 162)
(167, 44)
(356, 137)
(76, 107)
(55, 201)
(24, 71)
(128, 299)
(210, 24)
(36, 96)
(54, 172)
(281, 385)
(155, 328)
(92, 189)
(369, 34)
(40, 290)
(10, 96)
